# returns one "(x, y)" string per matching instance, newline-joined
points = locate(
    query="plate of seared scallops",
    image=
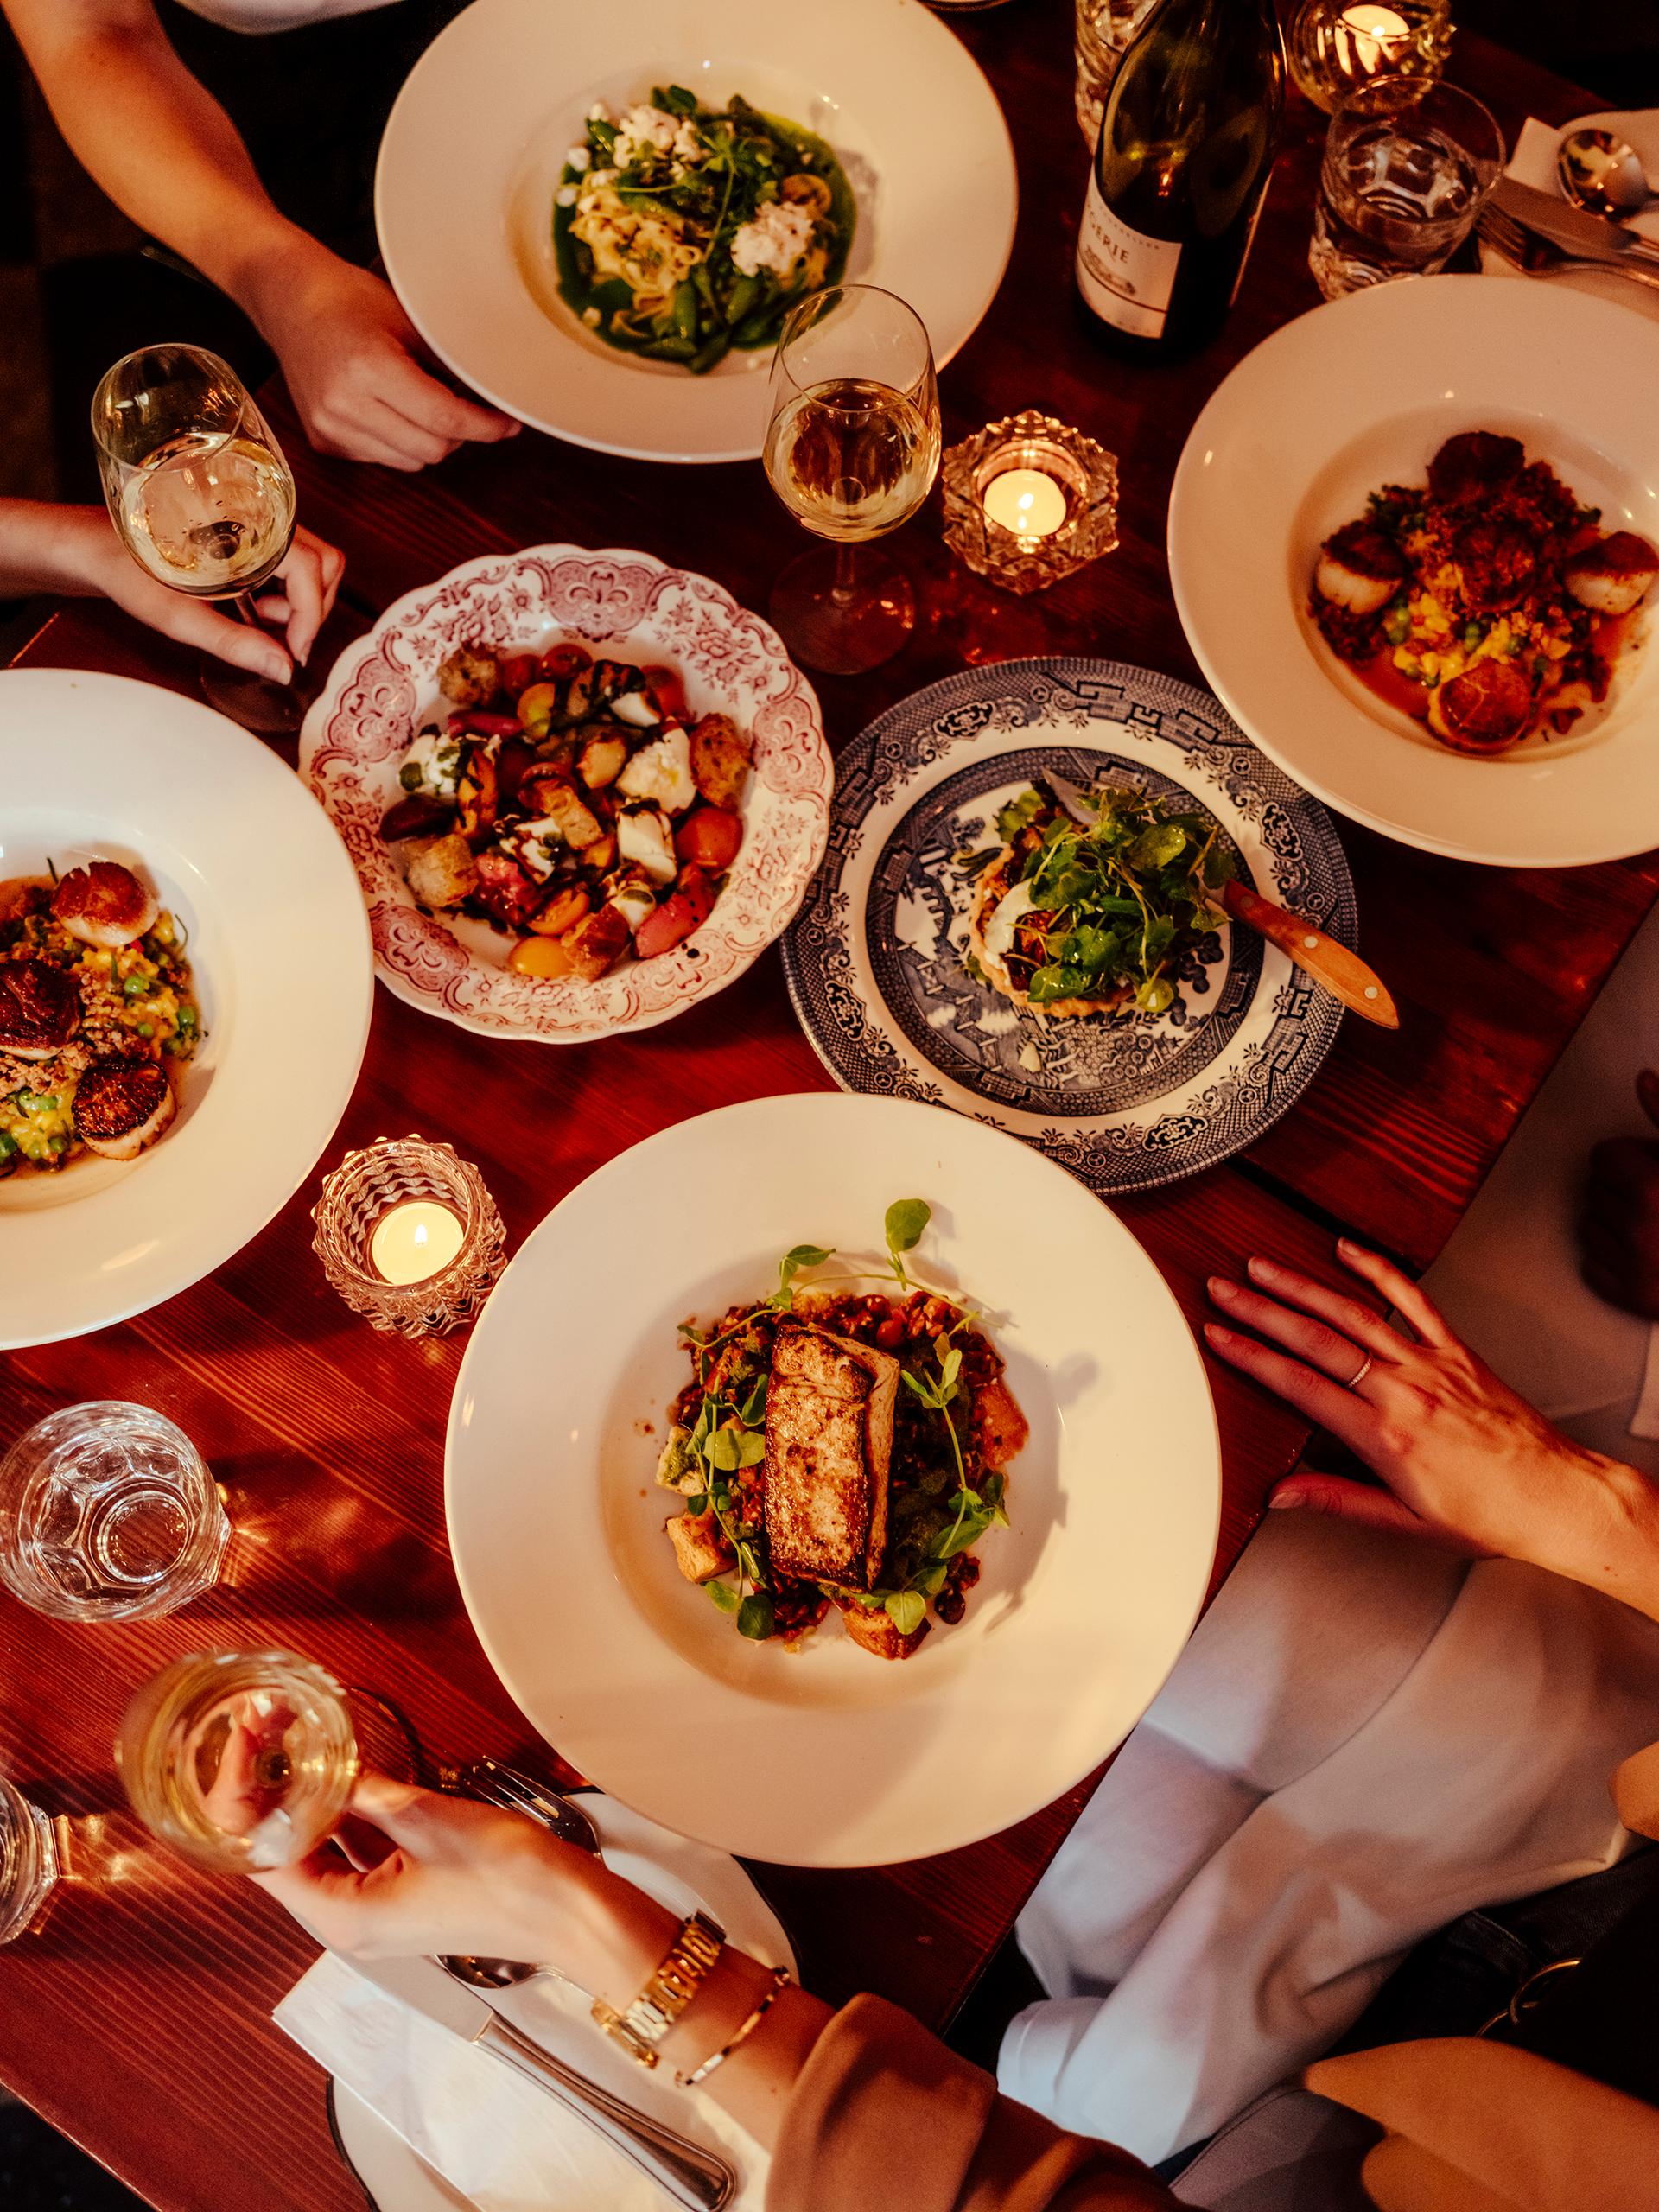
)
(1020, 916)
(834, 1541)
(1414, 539)
(581, 790)
(184, 996)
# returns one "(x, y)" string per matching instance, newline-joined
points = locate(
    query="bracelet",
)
(670, 1990)
(780, 1980)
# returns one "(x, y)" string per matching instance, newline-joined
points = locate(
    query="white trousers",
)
(1364, 1737)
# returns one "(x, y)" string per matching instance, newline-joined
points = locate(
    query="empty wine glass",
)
(242, 1761)
(202, 498)
(852, 449)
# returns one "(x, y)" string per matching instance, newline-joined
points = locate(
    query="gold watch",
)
(670, 1990)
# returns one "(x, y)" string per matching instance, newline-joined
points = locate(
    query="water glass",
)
(28, 1861)
(1105, 30)
(242, 1761)
(1407, 165)
(108, 1512)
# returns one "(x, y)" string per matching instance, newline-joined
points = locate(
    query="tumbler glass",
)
(108, 1512)
(28, 1861)
(1407, 165)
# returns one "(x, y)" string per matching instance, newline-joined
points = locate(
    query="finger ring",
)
(1354, 1381)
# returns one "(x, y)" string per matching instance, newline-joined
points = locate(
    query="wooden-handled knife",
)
(1342, 973)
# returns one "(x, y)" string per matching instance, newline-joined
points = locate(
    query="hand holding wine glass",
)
(202, 498)
(852, 450)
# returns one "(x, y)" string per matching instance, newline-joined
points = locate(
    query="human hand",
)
(1618, 1222)
(353, 362)
(298, 595)
(1463, 1458)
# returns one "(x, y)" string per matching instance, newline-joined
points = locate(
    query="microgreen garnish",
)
(802, 1256)
(905, 1225)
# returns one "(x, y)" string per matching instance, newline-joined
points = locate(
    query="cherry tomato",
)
(565, 660)
(699, 892)
(518, 671)
(709, 836)
(667, 693)
(661, 932)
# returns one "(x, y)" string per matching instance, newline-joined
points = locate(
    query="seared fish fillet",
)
(830, 1410)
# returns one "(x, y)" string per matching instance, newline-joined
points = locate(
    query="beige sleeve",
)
(883, 2114)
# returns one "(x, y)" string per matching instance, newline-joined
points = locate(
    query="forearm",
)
(157, 141)
(1616, 1547)
(46, 548)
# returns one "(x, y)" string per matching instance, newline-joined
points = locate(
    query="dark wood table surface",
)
(137, 2019)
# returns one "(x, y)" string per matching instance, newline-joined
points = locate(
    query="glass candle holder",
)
(1029, 501)
(409, 1236)
(28, 1862)
(1336, 46)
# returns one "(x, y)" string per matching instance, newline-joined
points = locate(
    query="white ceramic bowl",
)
(630, 605)
(98, 767)
(1359, 394)
(475, 146)
(828, 1757)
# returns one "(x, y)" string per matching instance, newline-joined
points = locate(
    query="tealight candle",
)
(1372, 33)
(1026, 502)
(414, 1243)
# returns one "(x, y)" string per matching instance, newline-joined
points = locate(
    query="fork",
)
(494, 1785)
(1536, 257)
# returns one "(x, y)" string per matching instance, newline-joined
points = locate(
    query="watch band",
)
(670, 1990)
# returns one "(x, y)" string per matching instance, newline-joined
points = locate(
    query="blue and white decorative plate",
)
(874, 959)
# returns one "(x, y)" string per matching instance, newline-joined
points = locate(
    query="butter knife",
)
(1595, 237)
(1342, 973)
(699, 2179)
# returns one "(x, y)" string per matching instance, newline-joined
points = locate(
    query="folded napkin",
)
(503, 2144)
(1533, 162)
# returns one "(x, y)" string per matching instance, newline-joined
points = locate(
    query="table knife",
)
(1342, 973)
(699, 2179)
(1596, 237)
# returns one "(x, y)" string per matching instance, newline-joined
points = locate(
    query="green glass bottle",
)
(1187, 146)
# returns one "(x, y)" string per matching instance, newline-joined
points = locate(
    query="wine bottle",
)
(1187, 146)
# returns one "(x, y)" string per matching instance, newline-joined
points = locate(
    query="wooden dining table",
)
(137, 2017)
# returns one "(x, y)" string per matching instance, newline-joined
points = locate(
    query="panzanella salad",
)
(844, 1449)
(1069, 918)
(682, 230)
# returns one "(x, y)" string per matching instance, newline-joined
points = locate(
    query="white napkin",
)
(503, 2143)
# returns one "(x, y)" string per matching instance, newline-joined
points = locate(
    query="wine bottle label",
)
(1126, 276)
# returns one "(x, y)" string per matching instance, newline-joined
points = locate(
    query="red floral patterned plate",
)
(631, 607)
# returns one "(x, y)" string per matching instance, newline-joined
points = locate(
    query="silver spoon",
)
(494, 1785)
(1600, 173)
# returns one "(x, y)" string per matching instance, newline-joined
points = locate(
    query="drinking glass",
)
(28, 1861)
(108, 1512)
(240, 1760)
(1407, 165)
(1106, 30)
(202, 498)
(852, 450)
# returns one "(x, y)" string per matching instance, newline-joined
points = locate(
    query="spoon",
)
(1600, 173)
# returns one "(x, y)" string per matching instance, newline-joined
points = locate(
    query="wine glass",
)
(852, 449)
(202, 498)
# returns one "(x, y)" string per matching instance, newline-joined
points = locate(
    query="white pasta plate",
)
(622, 605)
(98, 767)
(1359, 394)
(828, 1756)
(474, 147)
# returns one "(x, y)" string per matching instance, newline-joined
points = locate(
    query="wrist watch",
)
(670, 1990)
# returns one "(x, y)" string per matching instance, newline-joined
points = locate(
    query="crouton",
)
(441, 871)
(701, 1551)
(873, 1629)
(470, 677)
(597, 943)
(720, 760)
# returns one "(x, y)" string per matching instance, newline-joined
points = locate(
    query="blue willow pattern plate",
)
(874, 959)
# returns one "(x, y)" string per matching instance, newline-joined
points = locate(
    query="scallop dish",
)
(1487, 603)
(571, 803)
(97, 1014)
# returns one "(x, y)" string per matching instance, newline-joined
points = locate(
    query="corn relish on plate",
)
(599, 217)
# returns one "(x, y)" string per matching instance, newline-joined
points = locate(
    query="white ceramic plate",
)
(828, 1757)
(475, 146)
(630, 607)
(1359, 394)
(679, 1875)
(98, 767)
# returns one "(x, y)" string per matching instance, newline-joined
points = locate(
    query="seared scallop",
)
(122, 1105)
(1485, 709)
(1497, 563)
(1474, 464)
(1359, 569)
(40, 1009)
(1612, 576)
(104, 905)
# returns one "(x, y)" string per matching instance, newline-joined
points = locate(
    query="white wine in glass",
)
(852, 449)
(201, 496)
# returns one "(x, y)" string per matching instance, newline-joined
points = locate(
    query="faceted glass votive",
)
(1336, 46)
(28, 1862)
(409, 1236)
(1056, 488)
